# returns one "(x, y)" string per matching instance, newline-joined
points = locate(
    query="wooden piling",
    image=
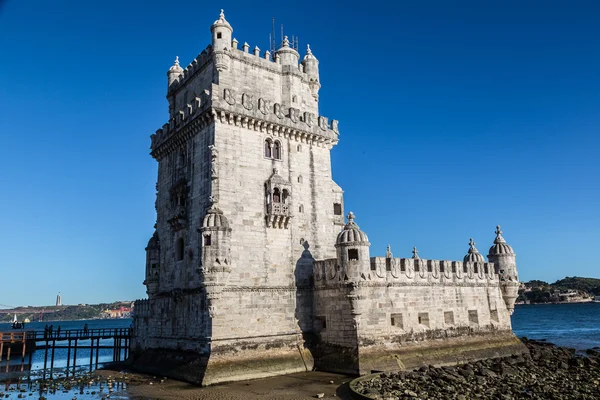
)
(97, 351)
(7, 358)
(68, 356)
(75, 355)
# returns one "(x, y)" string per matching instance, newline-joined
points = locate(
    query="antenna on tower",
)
(272, 37)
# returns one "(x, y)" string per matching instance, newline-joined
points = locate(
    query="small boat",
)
(16, 324)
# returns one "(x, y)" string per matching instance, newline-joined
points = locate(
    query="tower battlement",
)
(409, 271)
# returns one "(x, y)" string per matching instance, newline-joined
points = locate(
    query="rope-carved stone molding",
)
(186, 124)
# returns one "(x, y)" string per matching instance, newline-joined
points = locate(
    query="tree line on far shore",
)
(60, 313)
(569, 289)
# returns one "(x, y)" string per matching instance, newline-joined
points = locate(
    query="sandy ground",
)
(300, 386)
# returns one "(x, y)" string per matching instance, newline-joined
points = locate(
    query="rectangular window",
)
(494, 315)
(373, 265)
(449, 317)
(337, 209)
(352, 254)
(475, 268)
(473, 317)
(416, 266)
(396, 321)
(453, 267)
(465, 268)
(207, 240)
(442, 267)
(424, 319)
(429, 266)
(486, 269)
(321, 323)
(388, 264)
(403, 265)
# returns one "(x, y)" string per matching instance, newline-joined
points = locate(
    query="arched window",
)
(294, 98)
(285, 194)
(301, 208)
(276, 196)
(299, 178)
(277, 150)
(268, 148)
(179, 246)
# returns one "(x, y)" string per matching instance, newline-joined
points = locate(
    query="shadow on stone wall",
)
(304, 312)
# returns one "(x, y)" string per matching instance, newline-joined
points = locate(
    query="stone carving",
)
(293, 114)
(213, 161)
(264, 105)
(277, 110)
(309, 119)
(323, 123)
(334, 126)
(248, 101)
(229, 96)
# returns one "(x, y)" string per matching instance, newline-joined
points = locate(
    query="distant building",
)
(58, 300)
(121, 312)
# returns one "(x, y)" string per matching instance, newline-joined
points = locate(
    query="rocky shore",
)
(549, 372)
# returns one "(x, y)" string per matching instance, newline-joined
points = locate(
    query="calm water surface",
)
(570, 325)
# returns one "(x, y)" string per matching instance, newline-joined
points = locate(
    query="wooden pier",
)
(24, 343)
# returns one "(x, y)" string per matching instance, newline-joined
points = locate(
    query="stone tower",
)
(504, 258)
(245, 201)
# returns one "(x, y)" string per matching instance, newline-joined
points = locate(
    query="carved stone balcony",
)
(278, 215)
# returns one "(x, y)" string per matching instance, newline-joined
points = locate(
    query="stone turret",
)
(216, 256)
(221, 42)
(286, 54)
(221, 33)
(174, 72)
(216, 236)
(504, 258)
(473, 255)
(311, 68)
(352, 246)
(152, 264)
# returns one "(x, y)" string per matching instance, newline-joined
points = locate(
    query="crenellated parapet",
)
(182, 126)
(408, 271)
(244, 108)
(198, 64)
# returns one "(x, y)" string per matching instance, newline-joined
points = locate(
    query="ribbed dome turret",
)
(500, 246)
(351, 234)
(174, 72)
(309, 55)
(221, 22)
(215, 219)
(154, 242)
(473, 255)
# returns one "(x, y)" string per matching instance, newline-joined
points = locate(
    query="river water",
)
(569, 325)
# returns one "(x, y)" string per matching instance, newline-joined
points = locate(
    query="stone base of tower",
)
(450, 351)
(227, 361)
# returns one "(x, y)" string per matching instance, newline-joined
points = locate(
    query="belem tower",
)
(253, 270)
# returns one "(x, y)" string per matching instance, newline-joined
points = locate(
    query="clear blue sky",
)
(454, 117)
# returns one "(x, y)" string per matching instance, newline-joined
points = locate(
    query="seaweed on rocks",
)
(548, 372)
